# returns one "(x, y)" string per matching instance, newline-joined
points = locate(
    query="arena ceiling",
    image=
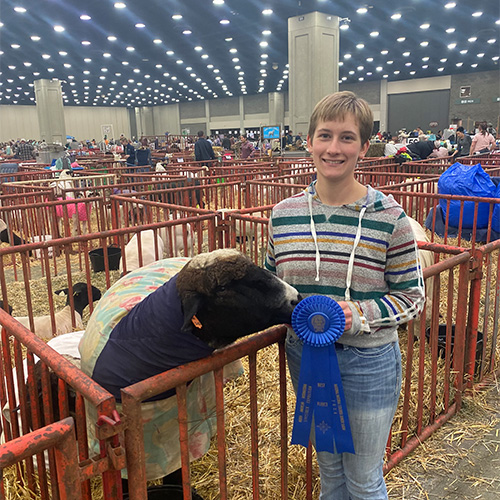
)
(151, 52)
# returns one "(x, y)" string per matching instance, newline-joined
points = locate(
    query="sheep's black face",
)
(234, 300)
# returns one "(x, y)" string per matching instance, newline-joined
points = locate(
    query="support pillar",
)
(50, 111)
(313, 55)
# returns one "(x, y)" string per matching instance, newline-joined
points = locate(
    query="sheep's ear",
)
(63, 292)
(191, 305)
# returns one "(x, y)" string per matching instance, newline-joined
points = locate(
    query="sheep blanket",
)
(161, 433)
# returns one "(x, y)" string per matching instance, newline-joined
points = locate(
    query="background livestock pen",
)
(455, 346)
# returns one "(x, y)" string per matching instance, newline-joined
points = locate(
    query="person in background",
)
(25, 151)
(129, 150)
(421, 150)
(464, 142)
(355, 245)
(289, 138)
(143, 154)
(203, 149)
(483, 141)
(247, 149)
(226, 143)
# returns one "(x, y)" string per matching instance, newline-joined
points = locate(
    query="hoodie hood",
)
(374, 201)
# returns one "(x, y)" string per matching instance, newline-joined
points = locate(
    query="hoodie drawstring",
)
(350, 266)
(315, 237)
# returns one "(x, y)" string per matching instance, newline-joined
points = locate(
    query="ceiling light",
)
(224, 21)
(130, 49)
(344, 23)
(106, 54)
(473, 65)
(218, 2)
(362, 10)
(267, 12)
(374, 33)
(424, 44)
(464, 51)
(85, 17)
(390, 62)
(59, 29)
(263, 44)
(112, 38)
(87, 60)
(62, 53)
(360, 46)
(425, 59)
(450, 5)
(187, 32)
(401, 39)
(443, 60)
(15, 46)
(120, 5)
(233, 50)
(440, 69)
(481, 54)
(140, 25)
(495, 58)
(85, 42)
(21, 10)
(169, 52)
(425, 66)
(492, 40)
(459, 64)
(347, 56)
(45, 56)
(406, 54)
(396, 16)
(384, 52)
(477, 14)
(369, 59)
(266, 32)
(425, 26)
(35, 38)
(264, 56)
(176, 17)
(452, 45)
(472, 39)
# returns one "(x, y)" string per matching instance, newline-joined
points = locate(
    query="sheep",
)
(426, 260)
(5, 236)
(148, 250)
(42, 325)
(145, 325)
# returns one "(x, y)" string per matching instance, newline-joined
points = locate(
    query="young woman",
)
(352, 243)
(483, 141)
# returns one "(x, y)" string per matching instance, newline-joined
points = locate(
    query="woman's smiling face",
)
(336, 148)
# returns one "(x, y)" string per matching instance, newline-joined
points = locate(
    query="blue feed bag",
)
(466, 180)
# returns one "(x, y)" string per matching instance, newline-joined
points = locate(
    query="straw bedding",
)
(436, 454)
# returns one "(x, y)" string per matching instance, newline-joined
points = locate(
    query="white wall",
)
(83, 122)
(17, 122)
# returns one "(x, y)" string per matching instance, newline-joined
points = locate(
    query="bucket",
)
(97, 258)
(166, 492)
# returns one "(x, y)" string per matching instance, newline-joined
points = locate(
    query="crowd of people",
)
(454, 141)
(414, 144)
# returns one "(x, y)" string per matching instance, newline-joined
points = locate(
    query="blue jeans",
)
(371, 378)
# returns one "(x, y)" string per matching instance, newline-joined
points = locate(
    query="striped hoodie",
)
(364, 253)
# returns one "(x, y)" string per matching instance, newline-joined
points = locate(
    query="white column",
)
(50, 111)
(313, 55)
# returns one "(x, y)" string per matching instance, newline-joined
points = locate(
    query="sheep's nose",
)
(299, 298)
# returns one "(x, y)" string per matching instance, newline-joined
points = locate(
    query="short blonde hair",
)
(336, 106)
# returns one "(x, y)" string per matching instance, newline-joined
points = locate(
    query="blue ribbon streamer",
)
(319, 321)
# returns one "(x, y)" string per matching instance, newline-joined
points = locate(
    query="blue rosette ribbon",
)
(319, 321)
